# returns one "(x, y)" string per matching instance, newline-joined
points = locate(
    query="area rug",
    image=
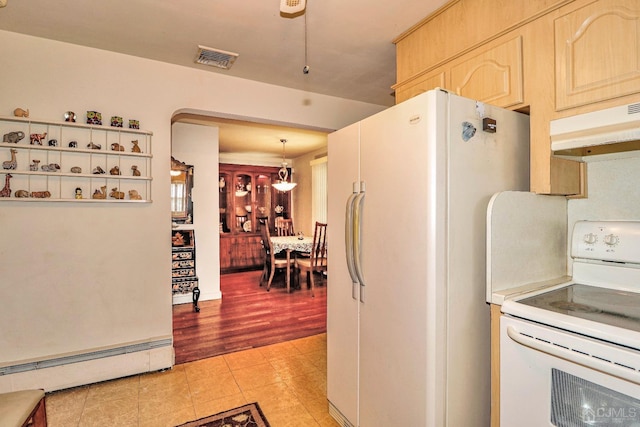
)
(249, 415)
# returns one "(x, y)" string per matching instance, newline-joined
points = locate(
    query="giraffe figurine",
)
(6, 191)
(13, 163)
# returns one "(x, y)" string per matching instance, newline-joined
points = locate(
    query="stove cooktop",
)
(612, 307)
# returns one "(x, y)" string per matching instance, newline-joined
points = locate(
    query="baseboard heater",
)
(76, 358)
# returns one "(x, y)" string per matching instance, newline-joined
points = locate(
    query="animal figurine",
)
(114, 171)
(40, 194)
(116, 121)
(93, 146)
(135, 148)
(100, 194)
(177, 239)
(70, 116)
(6, 191)
(73, 144)
(51, 167)
(22, 193)
(53, 143)
(76, 169)
(78, 193)
(37, 138)
(13, 137)
(34, 165)
(13, 163)
(116, 194)
(135, 170)
(94, 118)
(117, 147)
(133, 195)
(98, 170)
(19, 112)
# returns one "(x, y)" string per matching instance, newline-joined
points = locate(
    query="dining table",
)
(289, 244)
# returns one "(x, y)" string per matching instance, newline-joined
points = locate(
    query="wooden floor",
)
(247, 316)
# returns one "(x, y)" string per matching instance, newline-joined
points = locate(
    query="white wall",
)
(198, 146)
(303, 193)
(79, 277)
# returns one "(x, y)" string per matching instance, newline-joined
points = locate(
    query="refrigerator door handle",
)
(357, 238)
(348, 237)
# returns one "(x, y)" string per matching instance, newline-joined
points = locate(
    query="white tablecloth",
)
(292, 243)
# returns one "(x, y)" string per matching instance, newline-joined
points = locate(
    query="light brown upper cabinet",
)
(550, 58)
(493, 75)
(597, 53)
(422, 84)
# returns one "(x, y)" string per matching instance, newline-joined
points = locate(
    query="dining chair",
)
(284, 227)
(317, 261)
(271, 263)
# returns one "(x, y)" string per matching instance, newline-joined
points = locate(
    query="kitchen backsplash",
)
(613, 192)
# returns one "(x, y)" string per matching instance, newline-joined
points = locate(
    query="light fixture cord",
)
(284, 141)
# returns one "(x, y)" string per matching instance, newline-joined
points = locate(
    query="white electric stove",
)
(570, 353)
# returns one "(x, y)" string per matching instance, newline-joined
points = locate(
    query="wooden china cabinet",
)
(247, 201)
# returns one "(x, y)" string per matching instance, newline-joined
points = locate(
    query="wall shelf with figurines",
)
(75, 162)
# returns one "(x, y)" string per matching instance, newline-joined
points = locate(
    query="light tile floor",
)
(288, 380)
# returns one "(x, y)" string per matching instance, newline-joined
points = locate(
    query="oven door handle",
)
(627, 374)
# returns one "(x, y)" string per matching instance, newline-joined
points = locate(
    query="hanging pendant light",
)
(283, 174)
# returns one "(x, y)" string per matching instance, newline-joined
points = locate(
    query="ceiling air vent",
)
(215, 57)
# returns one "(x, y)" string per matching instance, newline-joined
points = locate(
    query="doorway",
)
(205, 142)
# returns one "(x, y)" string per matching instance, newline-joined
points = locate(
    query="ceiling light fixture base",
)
(292, 7)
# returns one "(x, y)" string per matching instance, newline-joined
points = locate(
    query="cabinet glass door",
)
(281, 203)
(224, 187)
(243, 206)
(263, 199)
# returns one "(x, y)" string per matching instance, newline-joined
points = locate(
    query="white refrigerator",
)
(407, 324)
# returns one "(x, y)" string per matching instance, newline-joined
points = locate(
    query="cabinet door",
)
(237, 252)
(245, 251)
(255, 256)
(494, 76)
(243, 205)
(421, 85)
(225, 253)
(262, 203)
(597, 51)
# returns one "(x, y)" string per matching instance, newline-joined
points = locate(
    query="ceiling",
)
(349, 47)
(248, 138)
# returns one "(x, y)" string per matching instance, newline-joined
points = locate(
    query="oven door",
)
(550, 377)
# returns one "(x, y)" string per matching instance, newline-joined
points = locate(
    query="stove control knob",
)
(611, 240)
(590, 238)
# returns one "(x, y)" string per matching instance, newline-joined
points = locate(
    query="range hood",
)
(611, 131)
